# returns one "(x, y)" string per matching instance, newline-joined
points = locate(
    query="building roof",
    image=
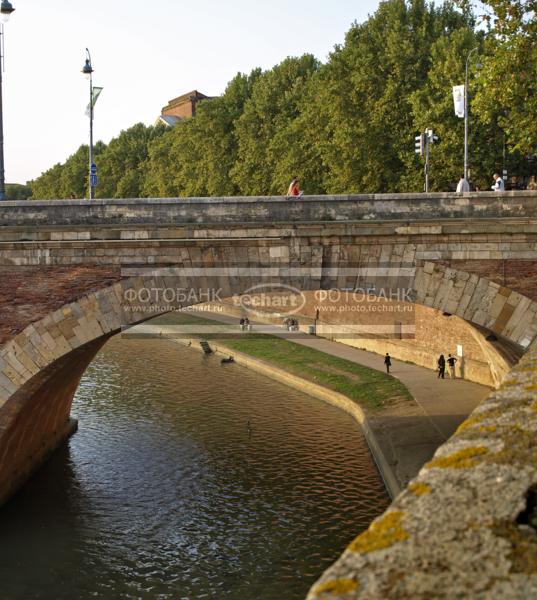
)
(188, 97)
(169, 120)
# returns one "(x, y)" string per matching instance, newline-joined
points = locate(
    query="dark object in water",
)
(228, 360)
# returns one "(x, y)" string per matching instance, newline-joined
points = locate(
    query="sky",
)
(144, 53)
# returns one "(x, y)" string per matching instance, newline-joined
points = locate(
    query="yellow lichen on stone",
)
(487, 428)
(381, 534)
(531, 388)
(418, 489)
(336, 587)
(462, 459)
(470, 422)
(534, 406)
(493, 413)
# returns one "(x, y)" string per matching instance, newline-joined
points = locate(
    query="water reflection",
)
(166, 492)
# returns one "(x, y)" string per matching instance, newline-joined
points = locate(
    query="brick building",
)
(182, 107)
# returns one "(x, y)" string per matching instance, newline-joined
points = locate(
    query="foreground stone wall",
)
(466, 527)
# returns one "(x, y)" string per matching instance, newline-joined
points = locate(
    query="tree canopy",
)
(348, 125)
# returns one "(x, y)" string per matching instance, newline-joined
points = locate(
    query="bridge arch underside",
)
(40, 368)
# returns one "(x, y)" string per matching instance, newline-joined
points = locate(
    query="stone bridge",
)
(75, 273)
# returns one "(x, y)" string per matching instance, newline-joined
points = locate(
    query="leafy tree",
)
(67, 180)
(122, 164)
(195, 157)
(346, 126)
(432, 106)
(365, 120)
(46, 186)
(509, 76)
(160, 167)
(17, 191)
(261, 129)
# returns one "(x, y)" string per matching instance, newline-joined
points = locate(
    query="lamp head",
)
(87, 69)
(5, 10)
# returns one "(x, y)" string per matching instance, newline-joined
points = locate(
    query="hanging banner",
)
(458, 100)
(95, 94)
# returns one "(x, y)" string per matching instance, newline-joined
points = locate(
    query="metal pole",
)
(88, 69)
(427, 161)
(2, 170)
(91, 187)
(466, 112)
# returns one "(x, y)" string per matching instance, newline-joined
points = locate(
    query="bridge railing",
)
(262, 209)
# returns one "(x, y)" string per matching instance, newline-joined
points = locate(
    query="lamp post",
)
(466, 114)
(5, 11)
(88, 70)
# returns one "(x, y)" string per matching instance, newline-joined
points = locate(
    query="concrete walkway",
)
(408, 432)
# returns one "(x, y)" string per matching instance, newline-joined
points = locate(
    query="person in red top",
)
(293, 188)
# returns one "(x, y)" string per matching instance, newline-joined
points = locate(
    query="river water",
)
(188, 479)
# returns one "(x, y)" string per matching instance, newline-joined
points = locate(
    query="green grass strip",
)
(369, 388)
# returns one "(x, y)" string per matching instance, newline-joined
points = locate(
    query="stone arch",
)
(40, 368)
(477, 300)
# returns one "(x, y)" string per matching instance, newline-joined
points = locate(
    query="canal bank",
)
(403, 434)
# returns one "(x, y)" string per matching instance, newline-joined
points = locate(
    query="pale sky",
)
(144, 53)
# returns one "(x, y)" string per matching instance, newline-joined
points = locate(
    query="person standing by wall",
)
(441, 366)
(451, 364)
(532, 183)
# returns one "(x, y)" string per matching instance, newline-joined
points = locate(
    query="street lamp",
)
(466, 114)
(88, 70)
(5, 11)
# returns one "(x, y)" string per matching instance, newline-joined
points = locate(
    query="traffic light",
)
(420, 144)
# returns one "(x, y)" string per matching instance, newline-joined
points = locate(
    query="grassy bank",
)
(370, 388)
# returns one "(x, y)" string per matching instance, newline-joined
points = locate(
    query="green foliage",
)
(346, 126)
(16, 191)
(121, 166)
(507, 92)
(262, 129)
(69, 180)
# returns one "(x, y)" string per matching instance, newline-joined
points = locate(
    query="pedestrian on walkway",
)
(387, 362)
(451, 363)
(441, 366)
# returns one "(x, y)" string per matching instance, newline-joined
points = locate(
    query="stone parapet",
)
(368, 207)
